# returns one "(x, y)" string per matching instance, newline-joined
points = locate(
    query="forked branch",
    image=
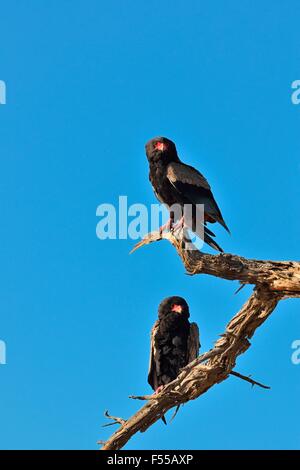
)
(277, 276)
(273, 280)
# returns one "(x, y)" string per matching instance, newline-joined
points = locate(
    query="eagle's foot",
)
(179, 225)
(167, 226)
(159, 389)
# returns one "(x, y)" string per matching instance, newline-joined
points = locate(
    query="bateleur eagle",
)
(175, 183)
(174, 342)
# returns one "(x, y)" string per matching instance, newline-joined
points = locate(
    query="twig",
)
(143, 397)
(248, 379)
(116, 420)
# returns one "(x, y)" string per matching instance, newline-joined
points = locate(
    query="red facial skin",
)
(160, 146)
(176, 308)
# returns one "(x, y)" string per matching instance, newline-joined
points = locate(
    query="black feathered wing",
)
(190, 183)
(154, 361)
(193, 345)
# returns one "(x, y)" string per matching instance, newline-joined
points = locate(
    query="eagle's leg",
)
(168, 225)
(179, 225)
(159, 389)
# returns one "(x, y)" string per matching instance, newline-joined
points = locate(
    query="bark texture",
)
(273, 281)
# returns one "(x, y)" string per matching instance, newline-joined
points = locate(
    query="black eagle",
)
(174, 342)
(175, 182)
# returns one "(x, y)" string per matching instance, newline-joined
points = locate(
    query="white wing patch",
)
(185, 174)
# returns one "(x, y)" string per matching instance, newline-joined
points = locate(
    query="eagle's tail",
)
(204, 233)
(212, 242)
(175, 412)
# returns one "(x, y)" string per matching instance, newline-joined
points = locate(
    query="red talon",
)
(167, 226)
(179, 225)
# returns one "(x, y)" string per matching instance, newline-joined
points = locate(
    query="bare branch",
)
(273, 280)
(198, 377)
(142, 397)
(115, 419)
(248, 379)
(279, 276)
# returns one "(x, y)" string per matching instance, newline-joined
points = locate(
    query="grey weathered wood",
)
(273, 280)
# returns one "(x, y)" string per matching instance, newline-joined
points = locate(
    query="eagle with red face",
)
(174, 342)
(175, 183)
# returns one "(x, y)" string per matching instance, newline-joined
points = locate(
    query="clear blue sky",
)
(88, 83)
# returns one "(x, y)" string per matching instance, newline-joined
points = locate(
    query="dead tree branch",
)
(281, 276)
(248, 379)
(273, 280)
(115, 419)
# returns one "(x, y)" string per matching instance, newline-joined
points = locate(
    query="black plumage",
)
(174, 183)
(174, 342)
